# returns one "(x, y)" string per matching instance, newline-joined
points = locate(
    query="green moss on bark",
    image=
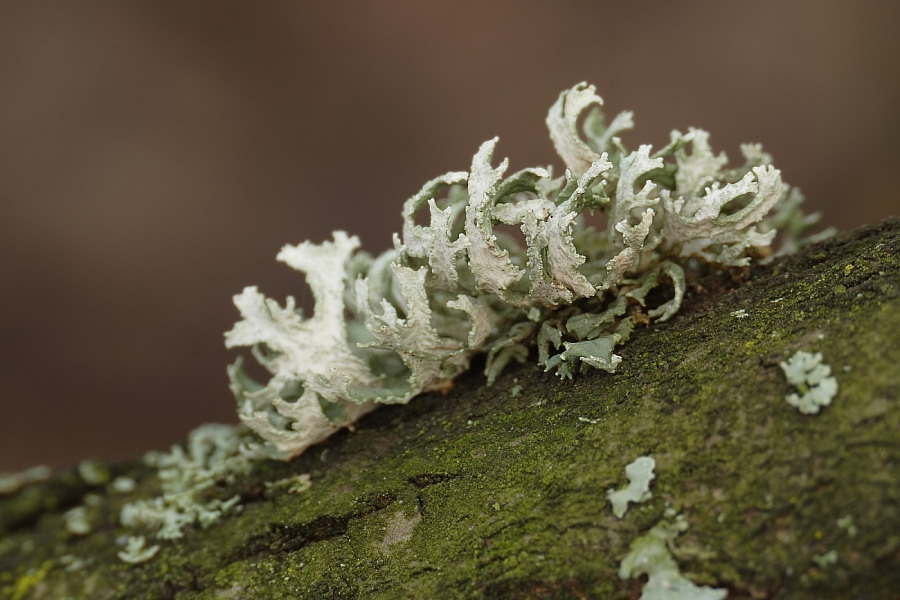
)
(497, 493)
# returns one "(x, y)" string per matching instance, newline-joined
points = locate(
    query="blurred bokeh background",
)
(154, 156)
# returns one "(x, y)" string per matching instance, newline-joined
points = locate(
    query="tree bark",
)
(500, 492)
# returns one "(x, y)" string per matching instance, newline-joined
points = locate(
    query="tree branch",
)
(500, 492)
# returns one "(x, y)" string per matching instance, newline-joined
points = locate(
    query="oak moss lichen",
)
(388, 328)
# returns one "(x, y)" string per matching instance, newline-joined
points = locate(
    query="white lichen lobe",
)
(296, 484)
(11, 483)
(385, 329)
(813, 380)
(640, 474)
(136, 551)
(77, 522)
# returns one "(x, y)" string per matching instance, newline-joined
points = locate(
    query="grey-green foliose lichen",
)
(812, 378)
(387, 328)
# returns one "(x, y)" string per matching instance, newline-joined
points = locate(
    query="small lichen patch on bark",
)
(399, 530)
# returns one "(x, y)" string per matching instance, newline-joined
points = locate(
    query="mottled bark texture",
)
(500, 492)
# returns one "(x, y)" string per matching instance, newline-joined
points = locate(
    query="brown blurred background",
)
(154, 156)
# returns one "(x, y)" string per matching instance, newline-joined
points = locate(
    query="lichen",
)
(212, 456)
(13, 482)
(846, 523)
(122, 485)
(136, 551)
(639, 473)
(94, 472)
(812, 378)
(77, 522)
(823, 561)
(296, 484)
(649, 555)
(385, 329)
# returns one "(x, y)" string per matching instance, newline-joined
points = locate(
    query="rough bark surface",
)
(500, 492)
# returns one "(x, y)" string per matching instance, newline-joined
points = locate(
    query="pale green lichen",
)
(649, 555)
(77, 522)
(640, 474)
(11, 483)
(385, 329)
(296, 484)
(846, 523)
(212, 456)
(122, 485)
(94, 472)
(136, 550)
(825, 560)
(812, 378)
(72, 563)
